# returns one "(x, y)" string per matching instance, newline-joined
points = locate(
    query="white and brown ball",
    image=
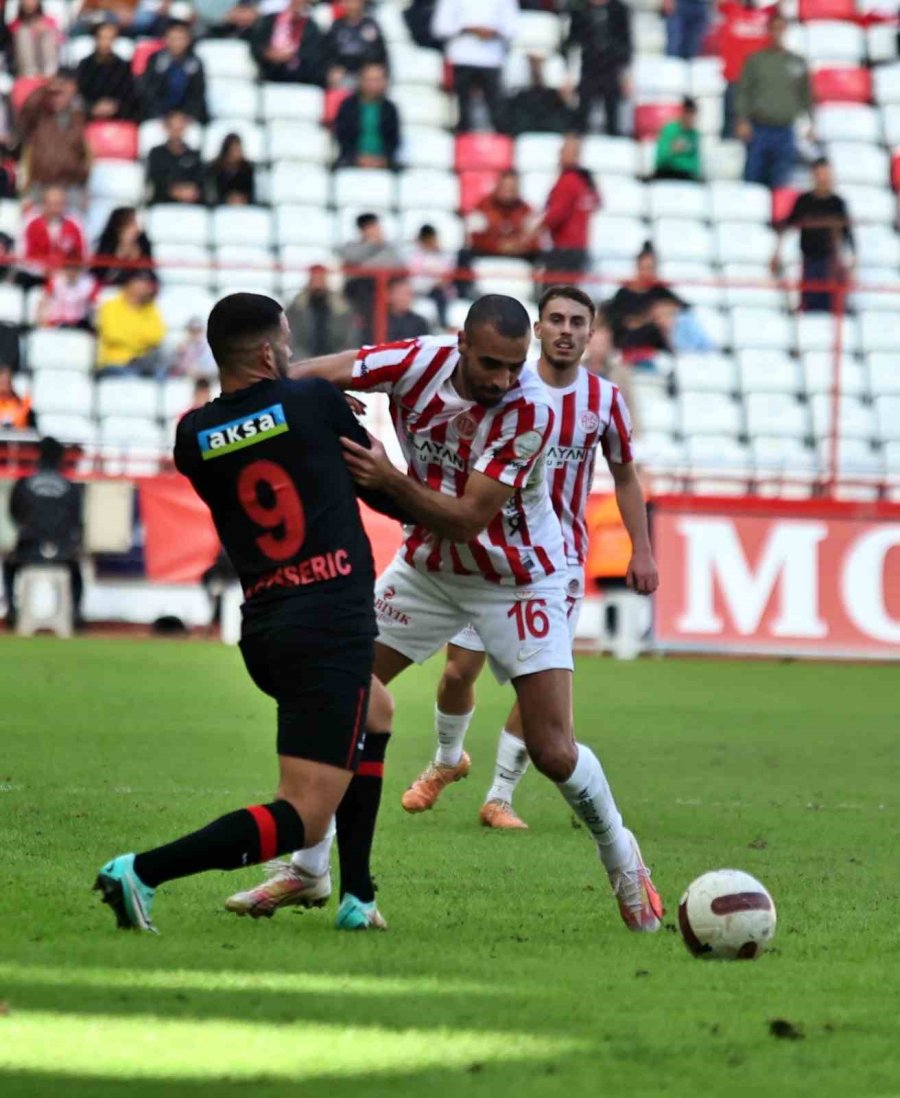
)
(726, 914)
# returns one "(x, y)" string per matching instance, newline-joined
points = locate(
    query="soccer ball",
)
(726, 914)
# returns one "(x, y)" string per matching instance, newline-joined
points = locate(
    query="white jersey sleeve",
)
(379, 368)
(515, 443)
(616, 439)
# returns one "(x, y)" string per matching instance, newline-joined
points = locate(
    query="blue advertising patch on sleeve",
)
(256, 427)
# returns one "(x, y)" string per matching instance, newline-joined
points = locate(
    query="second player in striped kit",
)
(589, 415)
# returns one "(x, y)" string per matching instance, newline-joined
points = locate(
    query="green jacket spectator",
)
(678, 146)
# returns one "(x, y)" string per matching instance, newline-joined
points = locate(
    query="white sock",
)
(316, 860)
(451, 731)
(588, 794)
(512, 762)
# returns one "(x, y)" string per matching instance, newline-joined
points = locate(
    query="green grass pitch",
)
(506, 969)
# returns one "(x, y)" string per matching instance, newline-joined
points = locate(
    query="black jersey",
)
(268, 462)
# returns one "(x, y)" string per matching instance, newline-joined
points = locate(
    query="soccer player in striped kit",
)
(590, 414)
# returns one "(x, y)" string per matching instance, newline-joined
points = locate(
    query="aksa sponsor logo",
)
(228, 437)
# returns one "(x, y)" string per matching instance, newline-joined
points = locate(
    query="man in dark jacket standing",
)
(46, 507)
(367, 126)
(174, 170)
(105, 80)
(174, 79)
(603, 30)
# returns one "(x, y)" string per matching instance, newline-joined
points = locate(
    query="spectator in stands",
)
(431, 269)
(773, 93)
(225, 18)
(678, 146)
(318, 316)
(201, 395)
(352, 41)
(50, 239)
(570, 206)
(174, 170)
(35, 40)
(744, 30)
(476, 36)
(68, 299)
(370, 249)
(231, 176)
(51, 126)
(193, 357)
(287, 46)
(537, 108)
(681, 330)
(135, 18)
(630, 312)
(46, 508)
(502, 223)
(367, 126)
(130, 329)
(105, 79)
(826, 236)
(686, 24)
(15, 410)
(602, 29)
(124, 240)
(174, 79)
(402, 321)
(7, 255)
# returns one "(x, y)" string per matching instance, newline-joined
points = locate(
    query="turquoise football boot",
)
(353, 914)
(128, 896)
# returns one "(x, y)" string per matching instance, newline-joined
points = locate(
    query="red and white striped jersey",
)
(444, 438)
(588, 413)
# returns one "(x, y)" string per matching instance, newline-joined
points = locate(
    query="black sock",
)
(356, 818)
(245, 837)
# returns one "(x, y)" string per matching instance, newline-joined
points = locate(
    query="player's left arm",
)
(458, 519)
(642, 575)
(336, 368)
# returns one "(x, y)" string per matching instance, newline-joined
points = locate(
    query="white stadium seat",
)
(181, 303)
(296, 259)
(516, 71)
(768, 372)
(132, 431)
(120, 182)
(683, 239)
(127, 396)
(775, 414)
(659, 78)
(255, 280)
(498, 275)
(252, 135)
(615, 155)
(393, 26)
(669, 198)
(176, 223)
(60, 349)
(10, 216)
(450, 230)
(184, 264)
(416, 65)
(622, 195)
(887, 411)
(63, 392)
(718, 464)
(724, 160)
(658, 412)
(538, 152)
(421, 106)
(886, 82)
(251, 225)
(177, 393)
(535, 186)
(706, 373)
(763, 328)
(751, 284)
(620, 237)
(870, 205)
(818, 374)
(884, 377)
(78, 429)
(292, 102)
(537, 31)
(292, 183)
(303, 141)
(818, 332)
(881, 43)
(706, 78)
(854, 163)
(12, 304)
(744, 242)
(716, 325)
(709, 414)
(855, 419)
(421, 187)
(832, 40)
(232, 98)
(850, 122)
(879, 332)
(364, 187)
(877, 246)
(736, 201)
(783, 466)
(306, 225)
(226, 59)
(152, 133)
(426, 147)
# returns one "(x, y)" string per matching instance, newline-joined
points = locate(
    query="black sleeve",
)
(798, 212)
(17, 501)
(195, 100)
(390, 128)
(848, 227)
(185, 445)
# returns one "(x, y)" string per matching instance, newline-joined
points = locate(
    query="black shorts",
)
(321, 685)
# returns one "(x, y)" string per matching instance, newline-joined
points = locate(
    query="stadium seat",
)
(75, 429)
(144, 49)
(716, 325)
(706, 78)
(696, 283)
(414, 65)
(473, 186)
(818, 373)
(252, 135)
(10, 216)
(298, 141)
(232, 98)
(346, 223)
(58, 349)
(668, 198)
(500, 275)
(879, 332)
(854, 163)
(750, 284)
(613, 155)
(679, 238)
(420, 187)
(833, 41)
(844, 84)
(112, 140)
(874, 290)
(855, 419)
(12, 304)
(292, 103)
(334, 97)
(649, 118)
(870, 205)
(887, 83)
(184, 264)
(152, 133)
(706, 373)
(517, 71)
(783, 466)
(538, 152)
(775, 414)
(257, 280)
(241, 225)
(305, 225)
(617, 237)
(724, 160)
(826, 9)
(738, 201)
(765, 329)
(818, 332)
(296, 259)
(293, 183)
(130, 432)
(427, 147)
(484, 151)
(718, 465)
(659, 78)
(887, 412)
(767, 372)
(877, 245)
(226, 59)
(662, 453)
(176, 396)
(176, 223)
(709, 118)
(180, 304)
(22, 88)
(539, 31)
(449, 227)
(127, 396)
(744, 242)
(623, 196)
(364, 187)
(420, 106)
(658, 412)
(324, 16)
(881, 43)
(854, 122)
(884, 377)
(535, 186)
(890, 123)
(63, 392)
(860, 468)
(393, 26)
(119, 182)
(709, 414)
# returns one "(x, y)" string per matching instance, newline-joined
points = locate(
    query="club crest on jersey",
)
(466, 426)
(228, 437)
(527, 445)
(590, 421)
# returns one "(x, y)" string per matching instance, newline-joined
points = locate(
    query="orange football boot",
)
(425, 790)
(501, 815)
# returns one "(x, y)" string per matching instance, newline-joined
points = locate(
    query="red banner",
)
(760, 576)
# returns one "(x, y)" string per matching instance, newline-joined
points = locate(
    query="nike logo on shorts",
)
(524, 655)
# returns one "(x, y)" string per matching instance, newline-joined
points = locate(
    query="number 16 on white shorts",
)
(524, 630)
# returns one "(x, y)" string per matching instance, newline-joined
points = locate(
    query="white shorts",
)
(524, 629)
(469, 639)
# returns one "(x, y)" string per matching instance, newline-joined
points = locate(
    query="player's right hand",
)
(356, 406)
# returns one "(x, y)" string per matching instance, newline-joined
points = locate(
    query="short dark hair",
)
(427, 230)
(505, 315)
(570, 293)
(237, 316)
(50, 453)
(365, 220)
(689, 103)
(821, 162)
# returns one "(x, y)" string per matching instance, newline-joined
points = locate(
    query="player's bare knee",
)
(555, 756)
(380, 716)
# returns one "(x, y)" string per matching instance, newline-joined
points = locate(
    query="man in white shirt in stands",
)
(476, 36)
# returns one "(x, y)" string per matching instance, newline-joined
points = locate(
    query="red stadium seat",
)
(333, 99)
(113, 140)
(842, 85)
(484, 152)
(473, 186)
(23, 87)
(143, 51)
(895, 171)
(783, 199)
(827, 9)
(649, 118)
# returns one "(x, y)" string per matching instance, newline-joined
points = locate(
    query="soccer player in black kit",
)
(266, 459)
